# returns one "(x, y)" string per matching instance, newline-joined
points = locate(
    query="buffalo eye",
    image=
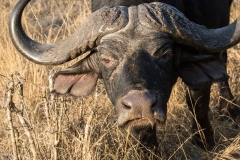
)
(164, 60)
(107, 61)
(167, 55)
(164, 57)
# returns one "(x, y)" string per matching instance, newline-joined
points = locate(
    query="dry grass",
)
(70, 128)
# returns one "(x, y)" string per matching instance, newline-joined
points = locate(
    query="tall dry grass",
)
(51, 127)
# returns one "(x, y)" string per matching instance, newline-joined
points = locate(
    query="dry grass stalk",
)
(56, 119)
(53, 113)
(87, 148)
(10, 107)
(57, 135)
(20, 113)
(25, 124)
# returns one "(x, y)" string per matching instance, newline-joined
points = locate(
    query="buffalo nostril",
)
(154, 101)
(160, 116)
(127, 106)
(127, 103)
(151, 100)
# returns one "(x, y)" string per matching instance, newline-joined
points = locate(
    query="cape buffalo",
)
(139, 49)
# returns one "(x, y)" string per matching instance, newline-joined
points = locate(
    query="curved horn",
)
(104, 21)
(160, 16)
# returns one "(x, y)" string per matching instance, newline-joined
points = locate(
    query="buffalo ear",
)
(199, 74)
(75, 84)
(79, 79)
(198, 70)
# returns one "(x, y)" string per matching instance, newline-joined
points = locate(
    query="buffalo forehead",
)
(131, 41)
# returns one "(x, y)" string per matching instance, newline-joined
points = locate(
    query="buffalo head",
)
(132, 50)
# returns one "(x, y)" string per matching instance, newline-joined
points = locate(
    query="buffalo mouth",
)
(142, 122)
(142, 128)
(144, 131)
(138, 125)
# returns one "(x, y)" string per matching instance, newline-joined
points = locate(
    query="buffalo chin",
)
(144, 131)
